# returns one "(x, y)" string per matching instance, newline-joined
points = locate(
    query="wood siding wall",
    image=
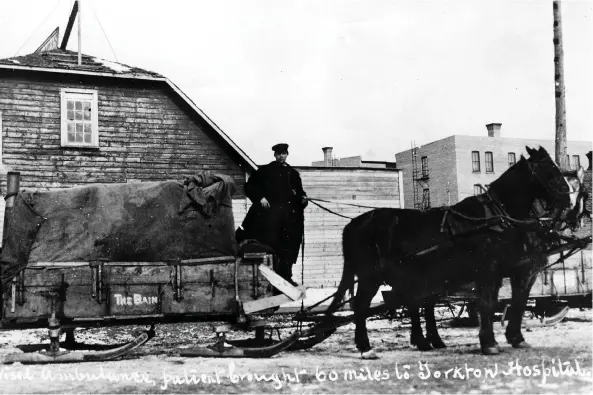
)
(146, 133)
(323, 230)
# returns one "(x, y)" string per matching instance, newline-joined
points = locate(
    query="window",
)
(477, 190)
(79, 118)
(475, 161)
(425, 199)
(512, 159)
(489, 162)
(576, 162)
(424, 161)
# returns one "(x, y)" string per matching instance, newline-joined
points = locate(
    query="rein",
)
(315, 200)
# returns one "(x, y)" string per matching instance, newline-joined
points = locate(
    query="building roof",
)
(64, 61)
(61, 59)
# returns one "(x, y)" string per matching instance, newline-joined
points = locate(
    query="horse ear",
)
(529, 150)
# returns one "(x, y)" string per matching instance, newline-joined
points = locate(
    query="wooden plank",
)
(80, 304)
(201, 261)
(280, 283)
(266, 303)
(37, 304)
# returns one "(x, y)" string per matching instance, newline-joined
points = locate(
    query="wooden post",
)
(13, 179)
(559, 89)
(69, 26)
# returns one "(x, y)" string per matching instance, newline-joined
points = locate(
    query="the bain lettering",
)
(134, 300)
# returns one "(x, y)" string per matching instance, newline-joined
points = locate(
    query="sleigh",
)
(141, 254)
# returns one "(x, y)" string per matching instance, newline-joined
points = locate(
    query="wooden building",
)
(64, 124)
(344, 187)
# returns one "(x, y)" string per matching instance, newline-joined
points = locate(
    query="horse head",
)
(557, 195)
(536, 188)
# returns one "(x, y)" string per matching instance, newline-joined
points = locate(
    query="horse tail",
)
(349, 271)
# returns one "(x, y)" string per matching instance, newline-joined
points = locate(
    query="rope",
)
(315, 200)
(342, 203)
(104, 33)
(328, 210)
(37, 28)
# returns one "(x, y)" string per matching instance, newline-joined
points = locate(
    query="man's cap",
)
(281, 147)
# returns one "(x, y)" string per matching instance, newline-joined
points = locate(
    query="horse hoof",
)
(522, 344)
(439, 344)
(421, 344)
(490, 350)
(424, 346)
(369, 355)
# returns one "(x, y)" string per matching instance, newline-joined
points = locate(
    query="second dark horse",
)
(480, 239)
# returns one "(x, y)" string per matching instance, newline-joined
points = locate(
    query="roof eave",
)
(218, 130)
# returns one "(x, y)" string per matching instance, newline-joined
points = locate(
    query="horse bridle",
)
(550, 190)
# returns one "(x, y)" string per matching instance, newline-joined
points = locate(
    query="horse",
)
(541, 240)
(425, 253)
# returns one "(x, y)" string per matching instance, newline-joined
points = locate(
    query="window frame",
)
(424, 166)
(425, 194)
(81, 94)
(514, 156)
(476, 169)
(491, 170)
(576, 162)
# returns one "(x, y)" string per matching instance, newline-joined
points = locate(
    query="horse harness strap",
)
(495, 218)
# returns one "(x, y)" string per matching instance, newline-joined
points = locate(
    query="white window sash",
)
(86, 95)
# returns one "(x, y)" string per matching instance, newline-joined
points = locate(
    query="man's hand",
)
(264, 203)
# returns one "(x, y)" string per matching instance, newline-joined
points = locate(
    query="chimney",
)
(493, 129)
(327, 156)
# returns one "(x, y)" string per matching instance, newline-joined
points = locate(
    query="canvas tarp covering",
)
(140, 222)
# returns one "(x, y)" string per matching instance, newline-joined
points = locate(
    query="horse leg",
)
(521, 284)
(489, 299)
(367, 288)
(432, 334)
(416, 336)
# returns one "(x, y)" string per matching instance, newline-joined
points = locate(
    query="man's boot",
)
(289, 275)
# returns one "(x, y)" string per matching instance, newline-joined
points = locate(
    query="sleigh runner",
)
(97, 242)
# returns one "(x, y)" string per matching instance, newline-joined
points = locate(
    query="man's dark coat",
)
(281, 225)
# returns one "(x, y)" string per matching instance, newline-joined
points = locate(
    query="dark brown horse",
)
(541, 241)
(423, 254)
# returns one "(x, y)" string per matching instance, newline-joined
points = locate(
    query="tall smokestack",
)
(327, 156)
(493, 129)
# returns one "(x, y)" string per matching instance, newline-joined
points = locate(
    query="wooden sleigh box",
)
(91, 291)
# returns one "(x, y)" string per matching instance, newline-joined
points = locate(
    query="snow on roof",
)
(117, 67)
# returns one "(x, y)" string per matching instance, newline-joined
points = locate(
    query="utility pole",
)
(559, 89)
(79, 32)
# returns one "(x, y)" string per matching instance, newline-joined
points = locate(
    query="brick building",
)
(451, 169)
(350, 161)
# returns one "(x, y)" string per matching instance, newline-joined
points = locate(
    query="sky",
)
(365, 77)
